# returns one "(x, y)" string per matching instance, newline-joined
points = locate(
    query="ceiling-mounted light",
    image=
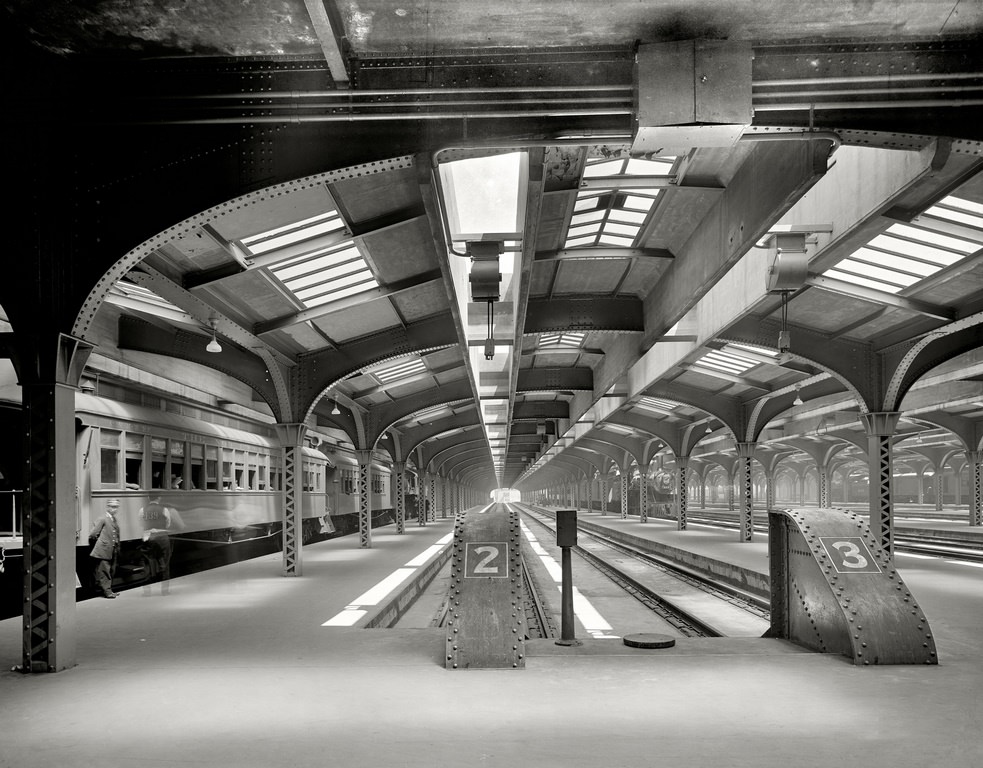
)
(708, 428)
(213, 345)
(335, 411)
(798, 397)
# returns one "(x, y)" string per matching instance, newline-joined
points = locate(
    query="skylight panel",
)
(325, 277)
(859, 279)
(566, 339)
(401, 370)
(959, 211)
(608, 168)
(655, 404)
(933, 238)
(726, 362)
(641, 203)
(298, 231)
(905, 254)
(732, 345)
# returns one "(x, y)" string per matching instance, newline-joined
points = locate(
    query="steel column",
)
(745, 451)
(682, 497)
(624, 495)
(643, 511)
(292, 438)
(880, 428)
(603, 480)
(399, 468)
(432, 508)
(975, 513)
(364, 498)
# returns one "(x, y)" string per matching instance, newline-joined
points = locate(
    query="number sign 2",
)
(486, 560)
(849, 554)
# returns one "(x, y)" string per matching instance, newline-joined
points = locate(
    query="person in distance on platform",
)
(104, 538)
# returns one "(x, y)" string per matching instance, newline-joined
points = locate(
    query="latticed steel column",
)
(643, 497)
(603, 480)
(291, 439)
(423, 488)
(444, 496)
(48, 525)
(624, 496)
(745, 452)
(399, 489)
(769, 490)
(590, 494)
(682, 489)
(731, 479)
(432, 511)
(880, 428)
(823, 488)
(939, 487)
(364, 498)
(975, 513)
(703, 491)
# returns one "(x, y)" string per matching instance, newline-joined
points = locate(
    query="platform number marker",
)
(849, 554)
(486, 559)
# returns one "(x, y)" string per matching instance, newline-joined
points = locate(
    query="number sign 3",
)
(486, 560)
(849, 554)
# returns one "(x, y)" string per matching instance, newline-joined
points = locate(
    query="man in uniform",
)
(104, 538)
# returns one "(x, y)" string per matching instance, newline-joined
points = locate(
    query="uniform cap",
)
(112, 503)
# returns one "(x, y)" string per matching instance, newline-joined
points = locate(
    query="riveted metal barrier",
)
(485, 617)
(835, 589)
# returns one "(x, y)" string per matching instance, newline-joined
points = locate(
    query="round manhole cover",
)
(649, 640)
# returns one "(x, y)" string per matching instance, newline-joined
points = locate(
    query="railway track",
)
(932, 546)
(712, 609)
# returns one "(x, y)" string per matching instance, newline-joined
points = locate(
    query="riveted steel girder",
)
(596, 313)
(769, 181)
(553, 379)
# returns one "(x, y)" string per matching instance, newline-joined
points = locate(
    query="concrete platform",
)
(234, 668)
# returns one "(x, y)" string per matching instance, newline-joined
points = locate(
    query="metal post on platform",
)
(566, 537)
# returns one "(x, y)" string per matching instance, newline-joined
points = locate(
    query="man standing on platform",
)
(157, 520)
(104, 538)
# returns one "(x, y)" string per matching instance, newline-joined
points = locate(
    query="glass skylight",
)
(655, 404)
(326, 276)
(609, 217)
(905, 254)
(726, 362)
(484, 197)
(296, 232)
(319, 263)
(401, 370)
(564, 339)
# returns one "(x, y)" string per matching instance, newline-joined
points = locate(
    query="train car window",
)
(261, 474)
(197, 465)
(240, 470)
(227, 478)
(211, 467)
(109, 458)
(134, 461)
(251, 465)
(158, 461)
(177, 464)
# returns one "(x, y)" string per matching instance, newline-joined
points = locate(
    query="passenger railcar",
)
(221, 482)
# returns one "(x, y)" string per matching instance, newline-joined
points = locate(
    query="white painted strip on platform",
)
(589, 616)
(353, 611)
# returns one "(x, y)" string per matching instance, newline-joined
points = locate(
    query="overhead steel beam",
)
(553, 379)
(331, 40)
(536, 410)
(915, 306)
(585, 314)
(772, 178)
(604, 253)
